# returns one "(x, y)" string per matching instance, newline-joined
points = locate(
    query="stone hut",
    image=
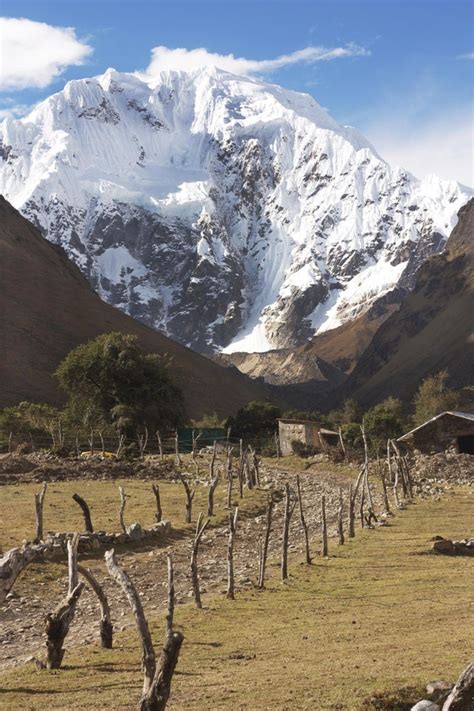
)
(448, 430)
(307, 432)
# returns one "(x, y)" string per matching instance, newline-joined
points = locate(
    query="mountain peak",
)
(224, 210)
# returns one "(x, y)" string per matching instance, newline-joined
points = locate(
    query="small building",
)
(308, 432)
(448, 430)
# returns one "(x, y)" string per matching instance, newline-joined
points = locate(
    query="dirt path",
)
(41, 587)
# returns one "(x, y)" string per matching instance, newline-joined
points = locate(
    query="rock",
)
(135, 531)
(425, 705)
(438, 690)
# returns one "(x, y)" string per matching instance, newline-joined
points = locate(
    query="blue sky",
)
(405, 80)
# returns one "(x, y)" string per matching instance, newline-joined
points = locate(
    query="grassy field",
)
(379, 614)
(61, 513)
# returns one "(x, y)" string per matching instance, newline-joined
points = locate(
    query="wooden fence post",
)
(58, 622)
(160, 443)
(264, 551)
(102, 443)
(351, 518)
(189, 497)
(176, 449)
(303, 521)
(85, 511)
(341, 442)
(289, 508)
(340, 519)
(230, 477)
(39, 499)
(123, 503)
(324, 529)
(230, 553)
(159, 512)
(200, 528)
(159, 692)
(213, 482)
(148, 653)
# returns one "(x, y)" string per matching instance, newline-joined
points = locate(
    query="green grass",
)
(379, 614)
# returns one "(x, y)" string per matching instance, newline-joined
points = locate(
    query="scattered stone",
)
(425, 705)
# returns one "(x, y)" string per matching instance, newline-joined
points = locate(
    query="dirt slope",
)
(433, 329)
(47, 308)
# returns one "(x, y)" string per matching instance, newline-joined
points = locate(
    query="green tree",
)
(383, 421)
(111, 380)
(433, 397)
(255, 422)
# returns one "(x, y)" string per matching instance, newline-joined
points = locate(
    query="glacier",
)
(230, 213)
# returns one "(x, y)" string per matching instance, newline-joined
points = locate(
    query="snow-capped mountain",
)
(227, 212)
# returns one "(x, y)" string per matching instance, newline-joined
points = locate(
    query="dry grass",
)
(379, 614)
(61, 513)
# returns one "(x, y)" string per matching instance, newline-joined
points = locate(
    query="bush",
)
(434, 397)
(383, 421)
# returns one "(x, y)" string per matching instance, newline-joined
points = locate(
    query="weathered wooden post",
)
(289, 507)
(352, 501)
(361, 510)
(85, 512)
(176, 449)
(340, 519)
(384, 488)
(241, 471)
(324, 528)
(123, 503)
(230, 553)
(395, 480)
(121, 440)
(148, 653)
(303, 521)
(341, 442)
(264, 552)
(160, 443)
(159, 692)
(189, 497)
(157, 678)
(200, 528)
(102, 443)
(142, 439)
(57, 623)
(159, 512)
(230, 477)
(351, 521)
(461, 697)
(366, 466)
(39, 500)
(106, 626)
(213, 481)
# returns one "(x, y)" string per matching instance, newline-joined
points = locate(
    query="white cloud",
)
(469, 55)
(34, 53)
(442, 145)
(14, 111)
(164, 58)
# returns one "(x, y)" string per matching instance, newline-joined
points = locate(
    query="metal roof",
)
(454, 413)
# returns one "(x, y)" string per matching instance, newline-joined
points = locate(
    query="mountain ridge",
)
(47, 308)
(229, 213)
